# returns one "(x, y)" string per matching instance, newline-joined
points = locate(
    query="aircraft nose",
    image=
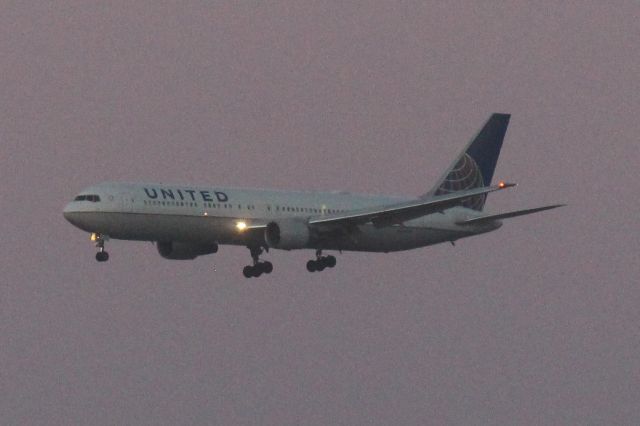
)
(79, 216)
(69, 212)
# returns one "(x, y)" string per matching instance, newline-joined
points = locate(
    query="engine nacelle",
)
(184, 251)
(287, 234)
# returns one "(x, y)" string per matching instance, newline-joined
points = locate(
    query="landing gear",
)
(99, 239)
(321, 262)
(258, 268)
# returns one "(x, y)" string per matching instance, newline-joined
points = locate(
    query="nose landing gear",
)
(258, 268)
(321, 262)
(99, 239)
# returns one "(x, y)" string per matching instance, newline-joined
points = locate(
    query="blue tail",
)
(475, 165)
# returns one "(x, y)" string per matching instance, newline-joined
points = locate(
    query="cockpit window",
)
(91, 197)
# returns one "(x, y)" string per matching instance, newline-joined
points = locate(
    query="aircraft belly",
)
(207, 229)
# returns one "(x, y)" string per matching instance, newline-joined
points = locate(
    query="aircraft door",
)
(126, 201)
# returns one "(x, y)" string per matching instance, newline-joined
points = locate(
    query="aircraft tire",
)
(102, 256)
(257, 270)
(312, 266)
(247, 271)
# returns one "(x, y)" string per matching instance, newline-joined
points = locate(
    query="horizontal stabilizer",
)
(493, 217)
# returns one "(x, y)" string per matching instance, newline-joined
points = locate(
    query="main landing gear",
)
(321, 262)
(99, 239)
(258, 268)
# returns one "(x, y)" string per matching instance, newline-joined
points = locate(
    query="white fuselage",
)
(205, 215)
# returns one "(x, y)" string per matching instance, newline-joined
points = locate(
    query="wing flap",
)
(402, 212)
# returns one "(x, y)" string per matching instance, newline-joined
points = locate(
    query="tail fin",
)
(475, 165)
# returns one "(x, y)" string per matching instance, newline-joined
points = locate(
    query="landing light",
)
(502, 184)
(94, 236)
(241, 226)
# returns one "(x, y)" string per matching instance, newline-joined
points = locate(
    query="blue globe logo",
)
(464, 175)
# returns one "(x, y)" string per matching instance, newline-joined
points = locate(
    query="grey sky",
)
(535, 323)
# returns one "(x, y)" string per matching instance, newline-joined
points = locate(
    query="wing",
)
(402, 212)
(494, 217)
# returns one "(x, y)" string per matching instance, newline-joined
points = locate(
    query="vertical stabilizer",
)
(475, 165)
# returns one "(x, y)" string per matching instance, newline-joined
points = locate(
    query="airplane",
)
(186, 221)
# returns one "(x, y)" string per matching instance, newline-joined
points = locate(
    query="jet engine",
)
(287, 234)
(184, 251)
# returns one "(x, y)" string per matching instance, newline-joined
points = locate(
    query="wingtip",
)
(504, 185)
(552, 206)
